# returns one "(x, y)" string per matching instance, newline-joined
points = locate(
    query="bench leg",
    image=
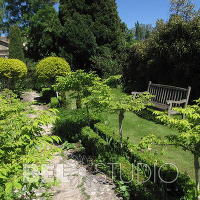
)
(169, 109)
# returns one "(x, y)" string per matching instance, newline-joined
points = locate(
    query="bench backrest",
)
(163, 93)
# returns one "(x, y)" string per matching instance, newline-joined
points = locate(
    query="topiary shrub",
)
(50, 67)
(55, 102)
(11, 70)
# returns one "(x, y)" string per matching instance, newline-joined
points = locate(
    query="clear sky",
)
(145, 11)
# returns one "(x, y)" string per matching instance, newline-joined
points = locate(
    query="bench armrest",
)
(171, 102)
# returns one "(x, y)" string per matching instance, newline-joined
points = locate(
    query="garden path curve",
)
(76, 182)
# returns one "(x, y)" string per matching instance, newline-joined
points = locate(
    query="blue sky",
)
(145, 11)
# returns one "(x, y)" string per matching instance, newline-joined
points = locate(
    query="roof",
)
(4, 39)
(4, 46)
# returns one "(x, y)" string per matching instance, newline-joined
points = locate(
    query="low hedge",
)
(101, 140)
(93, 143)
(183, 187)
(70, 122)
(112, 137)
(96, 146)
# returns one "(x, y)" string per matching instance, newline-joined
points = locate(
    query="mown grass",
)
(136, 127)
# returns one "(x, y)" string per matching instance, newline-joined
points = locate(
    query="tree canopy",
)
(169, 56)
(183, 8)
(91, 30)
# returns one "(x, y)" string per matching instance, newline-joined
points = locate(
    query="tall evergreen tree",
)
(2, 12)
(1, 9)
(142, 31)
(91, 29)
(16, 44)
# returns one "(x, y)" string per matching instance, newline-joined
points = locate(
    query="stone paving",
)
(75, 181)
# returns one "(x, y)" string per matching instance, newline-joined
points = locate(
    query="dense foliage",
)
(78, 83)
(43, 34)
(21, 11)
(16, 45)
(50, 67)
(103, 143)
(92, 35)
(169, 56)
(2, 10)
(11, 70)
(21, 143)
(189, 137)
(183, 8)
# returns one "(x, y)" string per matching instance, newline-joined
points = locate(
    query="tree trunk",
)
(197, 167)
(121, 117)
(10, 85)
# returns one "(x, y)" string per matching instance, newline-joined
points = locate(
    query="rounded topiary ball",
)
(12, 68)
(50, 67)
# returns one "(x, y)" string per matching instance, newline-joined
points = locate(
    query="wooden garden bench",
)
(166, 97)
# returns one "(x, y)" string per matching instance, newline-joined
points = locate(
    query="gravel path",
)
(75, 181)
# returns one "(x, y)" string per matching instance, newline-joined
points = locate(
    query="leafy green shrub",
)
(71, 122)
(21, 143)
(66, 145)
(183, 187)
(11, 70)
(16, 43)
(113, 81)
(134, 179)
(50, 67)
(77, 83)
(111, 137)
(55, 102)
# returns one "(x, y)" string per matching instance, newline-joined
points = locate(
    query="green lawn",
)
(135, 128)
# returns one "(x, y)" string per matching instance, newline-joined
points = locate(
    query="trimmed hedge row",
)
(96, 146)
(183, 187)
(93, 143)
(111, 137)
(70, 122)
(103, 141)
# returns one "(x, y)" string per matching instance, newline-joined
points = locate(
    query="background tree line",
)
(170, 55)
(91, 36)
